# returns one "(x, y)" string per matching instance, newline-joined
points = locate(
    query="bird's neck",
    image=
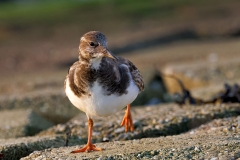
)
(95, 63)
(83, 59)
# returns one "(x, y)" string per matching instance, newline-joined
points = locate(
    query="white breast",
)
(102, 105)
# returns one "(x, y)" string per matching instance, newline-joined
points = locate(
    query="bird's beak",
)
(110, 55)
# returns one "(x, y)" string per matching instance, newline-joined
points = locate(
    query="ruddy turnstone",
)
(100, 84)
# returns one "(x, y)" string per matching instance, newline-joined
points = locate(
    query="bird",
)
(101, 84)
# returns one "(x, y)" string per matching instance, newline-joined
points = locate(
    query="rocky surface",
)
(199, 74)
(21, 122)
(186, 146)
(151, 121)
(151, 138)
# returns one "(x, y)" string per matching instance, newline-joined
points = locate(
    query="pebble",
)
(61, 127)
(105, 139)
(96, 133)
(196, 149)
(119, 130)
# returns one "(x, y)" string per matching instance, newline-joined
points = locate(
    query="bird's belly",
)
(99, 104)
(79, 102)
(105, 105)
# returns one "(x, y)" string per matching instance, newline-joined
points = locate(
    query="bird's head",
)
(93, 45)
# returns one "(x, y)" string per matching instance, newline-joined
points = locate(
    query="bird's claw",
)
(88, 148)
(127, 121)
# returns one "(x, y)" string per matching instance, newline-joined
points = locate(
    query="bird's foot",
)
(88, 148)
(127, 120)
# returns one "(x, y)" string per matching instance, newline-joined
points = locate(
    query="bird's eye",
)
(92, 44)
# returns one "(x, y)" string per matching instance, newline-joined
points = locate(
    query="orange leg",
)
(127, 120)
(89, 146)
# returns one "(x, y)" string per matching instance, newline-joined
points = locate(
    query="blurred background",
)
(197, 41)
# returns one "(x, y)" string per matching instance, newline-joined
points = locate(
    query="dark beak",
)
(110, 55)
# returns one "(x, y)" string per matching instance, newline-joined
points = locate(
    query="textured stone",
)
(21, 122)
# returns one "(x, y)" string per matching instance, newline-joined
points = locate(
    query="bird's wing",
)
(136, 75)
(80, 76)
(73, 67)
(113, 77)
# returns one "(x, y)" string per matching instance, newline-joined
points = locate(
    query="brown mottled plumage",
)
(100, 83)
(81, 74)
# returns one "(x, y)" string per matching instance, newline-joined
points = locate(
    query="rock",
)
(20, 147)
(21, 122)
(53, 107)
(119, 130)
